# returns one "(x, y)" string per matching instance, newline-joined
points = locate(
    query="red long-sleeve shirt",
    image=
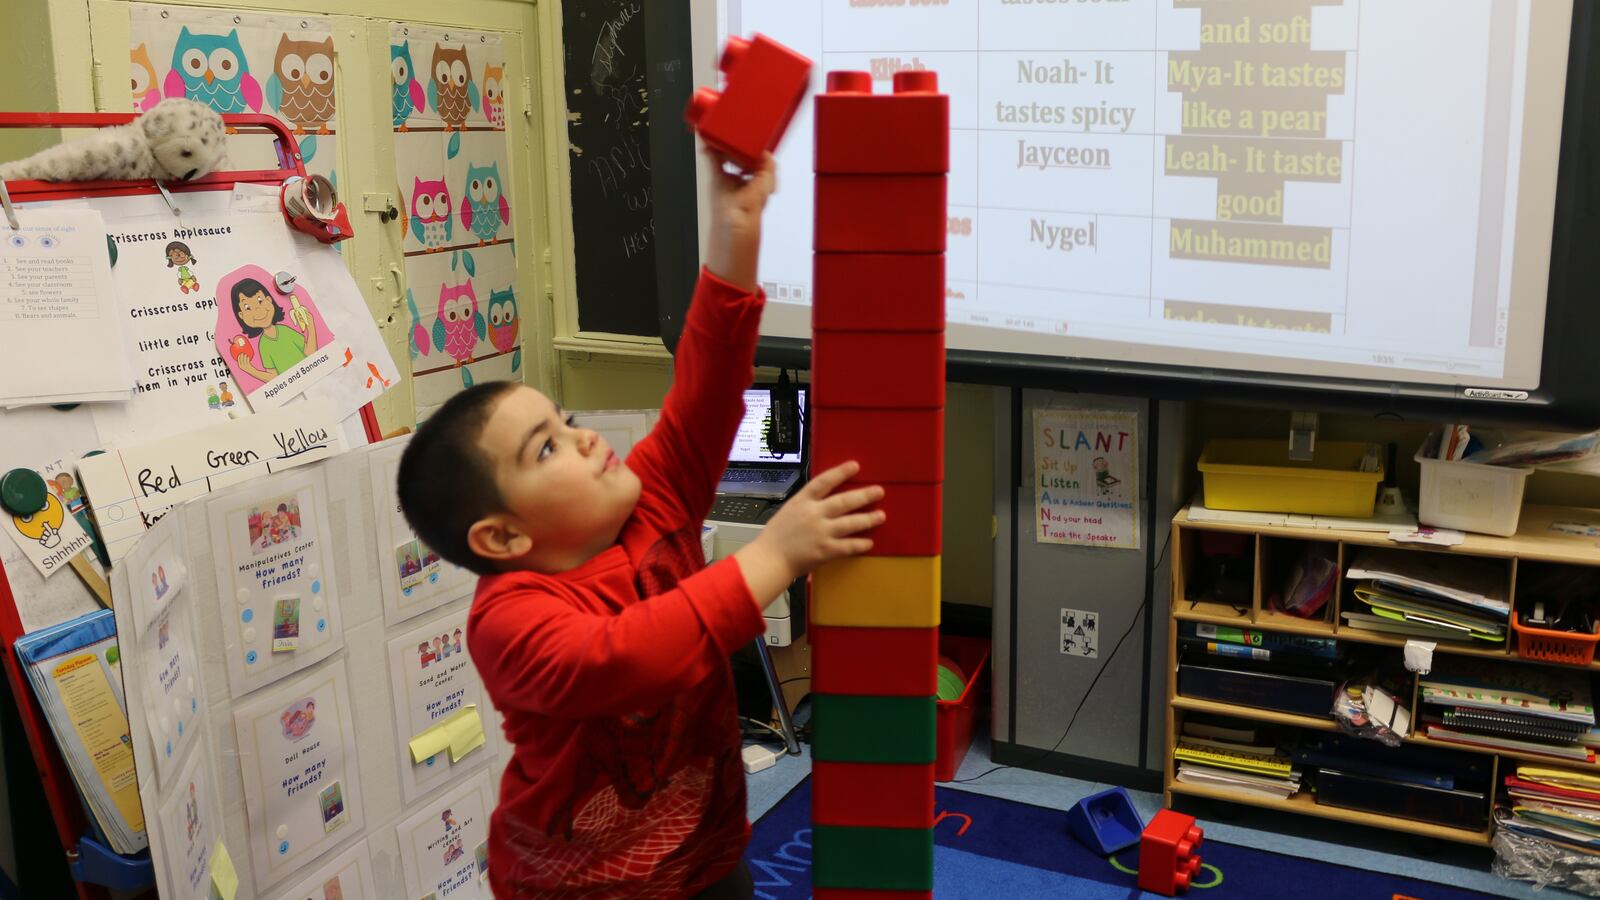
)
(613, 678)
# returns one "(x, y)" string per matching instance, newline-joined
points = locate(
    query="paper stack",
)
(1238, 759)
(1518, 708)
(1554, 805)
(1425, 595)
(75, 672)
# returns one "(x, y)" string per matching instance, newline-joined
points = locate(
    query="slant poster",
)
(1086, 477)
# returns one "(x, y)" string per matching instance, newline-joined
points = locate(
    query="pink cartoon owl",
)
(460, 325)
(431, 224)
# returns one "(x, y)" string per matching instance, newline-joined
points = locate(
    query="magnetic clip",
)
(167, 196)
(284, 282)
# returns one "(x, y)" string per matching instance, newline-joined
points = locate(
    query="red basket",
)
(956, 717)
(1564, 647)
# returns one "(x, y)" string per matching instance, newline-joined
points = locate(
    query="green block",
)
(873, 729)
(886, 859)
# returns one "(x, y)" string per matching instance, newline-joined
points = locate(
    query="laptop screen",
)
(750, 444)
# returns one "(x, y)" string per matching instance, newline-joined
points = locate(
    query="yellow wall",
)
(29, 84)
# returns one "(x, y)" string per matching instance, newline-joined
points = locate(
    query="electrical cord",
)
(1143, 608)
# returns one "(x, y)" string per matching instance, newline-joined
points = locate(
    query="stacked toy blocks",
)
(1167, 858)
(877, 389)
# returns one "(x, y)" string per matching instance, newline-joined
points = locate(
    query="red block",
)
(877, 292)
(868, 894)
(893, 446)
(875, 662)
(1167, 861)
(915, 526)
(886, 369)
(869, 795)
(764, 84)
(880, 214)
(861, 133)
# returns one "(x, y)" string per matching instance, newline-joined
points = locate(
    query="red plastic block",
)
(764, 84)
(893, 446)
(877, 292)
(915, 526)
(875, 662)
(868, 894)
(886, 369)
(880, 214)
(871, 795)
(861, 133)
(1167, 861)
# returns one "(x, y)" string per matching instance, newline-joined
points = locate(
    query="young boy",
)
(601, 637)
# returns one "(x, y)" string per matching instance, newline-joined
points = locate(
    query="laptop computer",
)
(753, 469)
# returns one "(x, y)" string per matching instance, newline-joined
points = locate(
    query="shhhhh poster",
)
(1086, 477)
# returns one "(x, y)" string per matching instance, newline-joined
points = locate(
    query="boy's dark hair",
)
(249, 287)
(446, 481)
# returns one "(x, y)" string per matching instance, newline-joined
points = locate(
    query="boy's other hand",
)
(818, 525)
(737, 202)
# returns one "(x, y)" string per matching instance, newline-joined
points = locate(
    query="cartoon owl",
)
(503, 323)
(451, 89)
(431, 224)
(494, 95)
(484, 208)
(145, 92)
(211, 69)
(301, 85)
(407, 97)
(460, 325)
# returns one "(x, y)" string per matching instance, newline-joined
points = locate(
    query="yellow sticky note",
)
(429, 743)
(224, 880)
(466, 732)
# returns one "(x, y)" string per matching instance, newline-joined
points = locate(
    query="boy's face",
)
(566, 494)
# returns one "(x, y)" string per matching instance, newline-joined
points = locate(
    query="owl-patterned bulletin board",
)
(448, 107)
(238, 62)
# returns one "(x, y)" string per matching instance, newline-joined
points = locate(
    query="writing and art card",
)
(171, 688)
(434, 681)
(439, 843)
(1086, 477)
(415, 579)
(298, 760)
(271, 335)
(348, 876)
(275, 585)
(190, 825)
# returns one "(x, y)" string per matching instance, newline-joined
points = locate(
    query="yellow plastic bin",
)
(1259, 476)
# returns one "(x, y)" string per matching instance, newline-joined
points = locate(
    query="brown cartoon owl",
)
(451, 89)
(301, 86)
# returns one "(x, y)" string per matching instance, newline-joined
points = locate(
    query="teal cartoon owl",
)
(212, 69)
(483, 204)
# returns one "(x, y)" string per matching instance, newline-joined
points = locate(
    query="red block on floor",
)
(765, 82)
(871, 795)
(868, 894)
(877, 292)
(859, 133)
(883, 369)
(875, 662)
(880, 214)
(1167, 858)
(915, 526)
(892, 445)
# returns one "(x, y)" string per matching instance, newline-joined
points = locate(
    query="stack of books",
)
(1236, 757)
(1555, 806)
(1523, 709)
(1254, 644)
(1426, 595)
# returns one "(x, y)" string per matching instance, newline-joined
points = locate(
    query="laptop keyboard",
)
(756, 476)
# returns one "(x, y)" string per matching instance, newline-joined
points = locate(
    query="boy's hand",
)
(814, 527)
(737, 202)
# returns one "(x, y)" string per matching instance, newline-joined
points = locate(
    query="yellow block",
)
(877, 592)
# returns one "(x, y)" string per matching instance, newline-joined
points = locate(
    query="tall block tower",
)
(877, 395)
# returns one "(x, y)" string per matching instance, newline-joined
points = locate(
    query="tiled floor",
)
(1295, 835)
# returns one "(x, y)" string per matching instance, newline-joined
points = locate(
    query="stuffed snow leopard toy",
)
(177, 140)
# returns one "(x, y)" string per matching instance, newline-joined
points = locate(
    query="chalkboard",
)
(608, 133)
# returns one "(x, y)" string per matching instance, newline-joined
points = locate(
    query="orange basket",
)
(1566, 647)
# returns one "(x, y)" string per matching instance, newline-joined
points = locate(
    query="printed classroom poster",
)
(441, 844)
(1086, 477)
(301, 783)
(434, 680)
(271, 335)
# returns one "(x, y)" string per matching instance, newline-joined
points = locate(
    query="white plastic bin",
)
(1471, 496)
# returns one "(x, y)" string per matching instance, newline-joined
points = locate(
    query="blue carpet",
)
(988, 848)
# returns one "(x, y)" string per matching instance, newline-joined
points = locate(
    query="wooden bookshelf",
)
(1271, 545)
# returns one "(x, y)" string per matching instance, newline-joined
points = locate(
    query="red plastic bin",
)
(955, 718)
